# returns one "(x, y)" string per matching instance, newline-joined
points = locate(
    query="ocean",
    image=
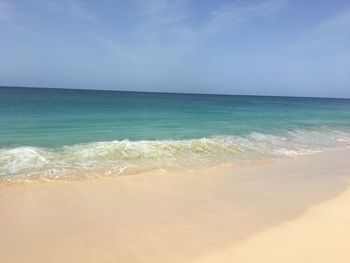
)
(55, 134)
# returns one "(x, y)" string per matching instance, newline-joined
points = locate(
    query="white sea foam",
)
(118, 157)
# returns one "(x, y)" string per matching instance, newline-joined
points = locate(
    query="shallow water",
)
(47, 133)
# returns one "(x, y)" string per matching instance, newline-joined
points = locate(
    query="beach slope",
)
(282, 211)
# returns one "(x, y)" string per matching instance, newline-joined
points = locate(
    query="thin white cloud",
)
(75, 8)
(6, 10)
(234, 12)
(156, 14)
(331, 34)
(161, 17)
(164, 26)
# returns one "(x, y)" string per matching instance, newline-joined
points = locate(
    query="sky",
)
(261, 47)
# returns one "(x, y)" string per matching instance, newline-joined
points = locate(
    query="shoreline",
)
(172, 217)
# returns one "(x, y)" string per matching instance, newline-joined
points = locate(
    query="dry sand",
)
(321, 235)
(284, 211)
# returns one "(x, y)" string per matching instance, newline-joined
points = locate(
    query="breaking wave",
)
(118, 157)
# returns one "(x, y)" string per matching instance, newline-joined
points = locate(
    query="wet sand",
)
(282, 211)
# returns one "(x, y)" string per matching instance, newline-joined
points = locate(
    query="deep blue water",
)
(54, 117)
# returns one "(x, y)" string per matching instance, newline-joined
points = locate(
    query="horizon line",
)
(170, 92)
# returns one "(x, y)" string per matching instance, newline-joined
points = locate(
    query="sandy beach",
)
(280, 211)
(174, 131)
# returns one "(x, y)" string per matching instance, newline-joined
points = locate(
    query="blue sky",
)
(267, 47)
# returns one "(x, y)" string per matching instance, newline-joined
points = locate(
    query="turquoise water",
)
(51, 133)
